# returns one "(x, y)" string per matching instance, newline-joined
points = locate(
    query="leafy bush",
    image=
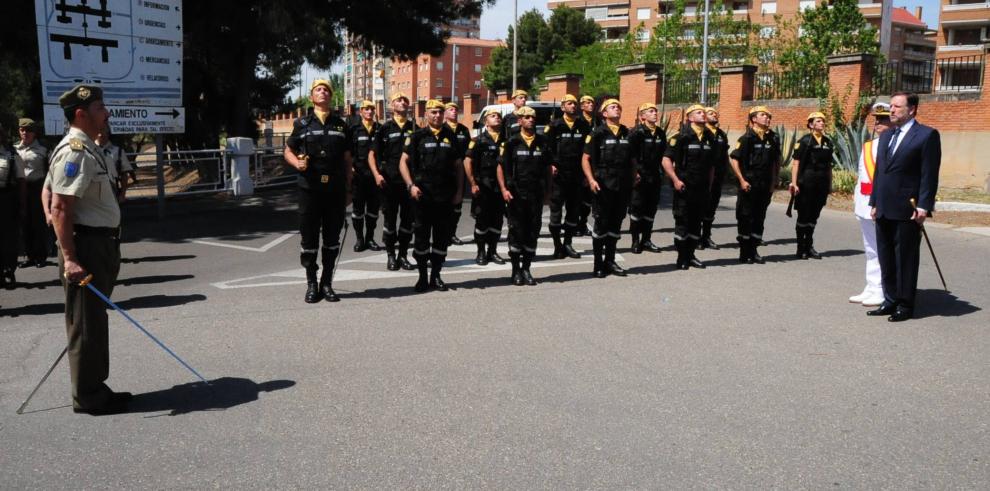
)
(844, 181)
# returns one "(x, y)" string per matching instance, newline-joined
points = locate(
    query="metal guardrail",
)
(957, 74)
(791, 85)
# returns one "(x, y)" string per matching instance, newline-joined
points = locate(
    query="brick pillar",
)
(419, 109)
(736, 85)
(469, 107)
(848, 77)
(560, 85)
(501, 96)
(638, 83)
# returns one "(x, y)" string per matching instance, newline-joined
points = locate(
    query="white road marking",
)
(264, 248)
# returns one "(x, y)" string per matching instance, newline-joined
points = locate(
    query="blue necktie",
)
(893, 142)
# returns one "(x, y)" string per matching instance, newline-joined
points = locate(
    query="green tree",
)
(541, 43)
(817, 33)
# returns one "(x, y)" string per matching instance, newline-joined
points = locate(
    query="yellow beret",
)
(711, 109)
(366, 103)
(587, 98)
(609, 102)
(320, 81)
(760, 109)
(881, 109)
(491, 110)
(647, 105)
(434, 104)
(398, 95)
(80, 95)
(816, 114)
(693, 108)
(568, 98)
(520, 92)
(450, 105)
(525, 111)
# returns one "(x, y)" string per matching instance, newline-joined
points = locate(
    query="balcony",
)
(965, 6)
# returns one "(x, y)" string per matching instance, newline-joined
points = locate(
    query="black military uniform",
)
(648, 146)
(815, 182)
(389, 142)
(594, 121)
(565, 141)
(758, 156)
(463, 135)
(487, 207)
(694, 153)
(433, 165)
(721, 142)
(526, 173)
(366, 200)
(613, 166)
(322, 195)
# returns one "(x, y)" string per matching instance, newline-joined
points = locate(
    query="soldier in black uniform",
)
(487, 206)
(648, 145)
(433, 171)
(811, 181)
(364, 209)
(510, 123)
(463, 140)
(565, 140)
(594, 120)
(689, 163)
(383, 160)
(524, 178)
(610, 168)
(755, 162)
(319, 147)
(718, 177)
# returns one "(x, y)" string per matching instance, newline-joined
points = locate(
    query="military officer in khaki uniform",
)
(12, 203)
(87, 223)
(35, 158)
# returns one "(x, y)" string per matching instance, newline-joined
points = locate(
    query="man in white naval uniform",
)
(872, 294)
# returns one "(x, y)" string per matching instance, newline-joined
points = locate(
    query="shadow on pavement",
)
(222, 393)
(36, 309)
(151, 280)
(157, 301)
(156, 259)
(940, 303)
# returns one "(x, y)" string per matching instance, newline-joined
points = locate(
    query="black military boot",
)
(369, 234)
(313, 292)
(359, 244)
(754, 255)
(493, 256)
(517, 278)
(637, 246)
(423, 284)
(392, 265)
(558, 246)
(436, 264)
(482, 258)
(329, 258)
(647, 238)
(683, 260)
(598, 246)
(527, 259)
(706, 236)
(693, 260)
(568, 248)
(402, 259)
(610, 265)
(809, 244)
(802, 251)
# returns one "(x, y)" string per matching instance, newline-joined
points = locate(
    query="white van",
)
(545, 112)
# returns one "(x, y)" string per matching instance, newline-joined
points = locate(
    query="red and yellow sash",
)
(865, 188)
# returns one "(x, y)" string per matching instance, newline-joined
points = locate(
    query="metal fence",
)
(791, 85)
(957, 74)
(686, 88)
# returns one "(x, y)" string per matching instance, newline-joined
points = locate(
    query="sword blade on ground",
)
(103, 297)
(20, 410)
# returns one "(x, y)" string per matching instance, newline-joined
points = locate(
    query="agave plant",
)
(848, 146)
(787, 141)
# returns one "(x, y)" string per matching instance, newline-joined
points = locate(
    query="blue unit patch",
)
(71, 169)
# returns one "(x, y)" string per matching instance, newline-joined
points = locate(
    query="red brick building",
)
(448, 76)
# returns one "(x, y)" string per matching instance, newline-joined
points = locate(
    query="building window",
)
(769, 8)
(643, 14)
(690, 9)
(457, 67)
(439, 65)
(960, 37)
(643, 35)
(597, 13)
(477, 51)
(806, 4)
(439, 82)
(477, 84)
(767, 32)
(477, 68)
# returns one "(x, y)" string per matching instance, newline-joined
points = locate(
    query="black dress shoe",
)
(570, 252)
(374, 246)
(405, 264)
(696, 263)
(637, 248)
(26, 264)
(528, 278)
(517, 278)
(708, 243)
(649, 246)
(683, 265)
(599, 273)
(392, 265)
(328, 294)
(481, 259)
(437, 284)
(900, 315)
(116, 404)
(313, 293)
(884, 309)
(813, 254)
(756, 258)
(360, 246)
(615, 269)
(455, 240)
(495, 258)
(558, 253)
(422, 285)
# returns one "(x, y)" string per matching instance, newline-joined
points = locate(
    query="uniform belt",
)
(111, 232)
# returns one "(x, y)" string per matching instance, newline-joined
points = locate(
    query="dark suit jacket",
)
(912, 172)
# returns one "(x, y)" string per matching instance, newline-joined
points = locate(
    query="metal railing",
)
(686, 88)
(957, 74)
(268, 168)
(791, 85)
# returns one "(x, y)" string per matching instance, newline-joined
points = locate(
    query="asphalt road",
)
(737, 376)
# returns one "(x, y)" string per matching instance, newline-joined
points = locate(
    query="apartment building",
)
(448, 76)
(963, 33)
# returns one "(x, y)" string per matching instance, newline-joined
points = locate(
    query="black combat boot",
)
(598, 247)
(527, 259)
(517, 278)
(329, 258)
(637, 246)
(706, 236)
(493, 256)
(754, 255)
(369, 234)
(558, 246)
(683, 260)
(422, 263)
(436, 264)
(482, 258)
(809, 244)
(743, 250)
(313, 292)
(359, 244)
(392, 265)
(693, 261)
(568, 248)
(610, 265)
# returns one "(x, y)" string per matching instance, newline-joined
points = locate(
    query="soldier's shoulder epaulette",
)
(76, 144)
(673, 139)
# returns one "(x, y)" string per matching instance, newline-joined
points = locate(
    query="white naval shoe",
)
(873, 300)
(859, 298)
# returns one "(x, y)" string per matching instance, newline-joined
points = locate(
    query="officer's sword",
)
(86, 282)
(341, 253)
(930, 248)
(61, 355)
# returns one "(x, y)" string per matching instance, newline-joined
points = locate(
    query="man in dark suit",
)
(908, 159)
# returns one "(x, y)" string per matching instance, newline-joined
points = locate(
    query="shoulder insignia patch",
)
(408, 140)
(796, 145)
(71, 169)
(446, 140)
(471, 145)
(738, 145)
(76, 144)
(672, 141)
(587, 139)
